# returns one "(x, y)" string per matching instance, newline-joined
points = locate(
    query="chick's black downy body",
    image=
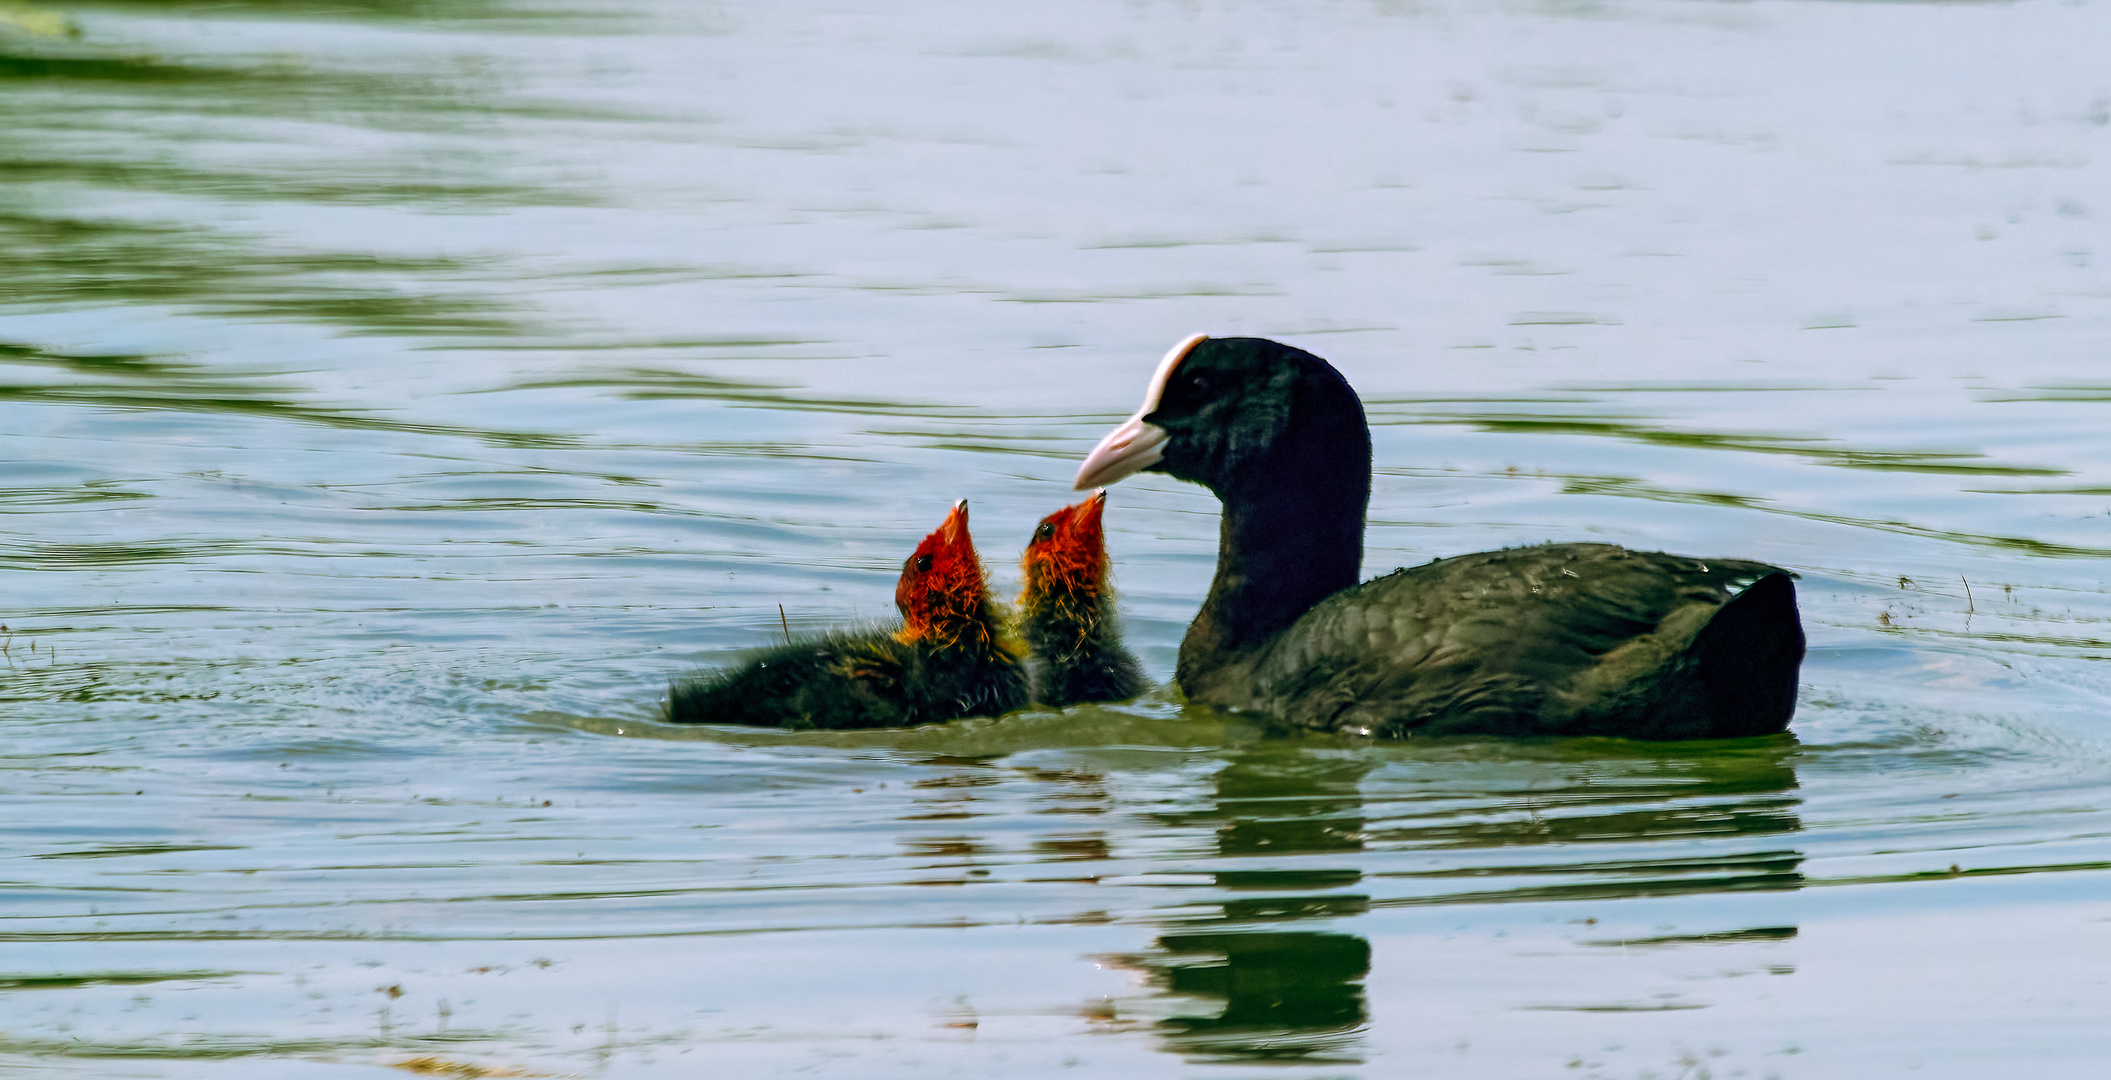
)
(1072, 669)
(851, 680)
(947, 660)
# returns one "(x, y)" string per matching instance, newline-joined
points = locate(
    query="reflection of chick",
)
(948, 659)
(1067, 611)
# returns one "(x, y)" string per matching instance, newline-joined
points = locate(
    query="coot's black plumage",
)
(947, 660)
(1067, 612)
(1560, 639)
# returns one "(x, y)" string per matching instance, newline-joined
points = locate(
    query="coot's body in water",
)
(1561, 639)
(1067, 612)
(948, 659)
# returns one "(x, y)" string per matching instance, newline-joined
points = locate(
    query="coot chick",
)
(948, 659)
(1067, 612)
(1560, 639)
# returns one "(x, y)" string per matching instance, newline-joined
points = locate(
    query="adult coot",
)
(948, 659)
(1561, 639)
(1067, 611)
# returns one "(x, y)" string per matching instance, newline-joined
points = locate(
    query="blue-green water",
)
(395, 395)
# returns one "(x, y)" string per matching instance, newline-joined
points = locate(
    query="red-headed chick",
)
(1067, 611)
(947, 660)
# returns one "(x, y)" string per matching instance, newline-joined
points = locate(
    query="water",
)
(396, 394)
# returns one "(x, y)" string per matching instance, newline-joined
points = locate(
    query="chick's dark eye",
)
(1044, 531)
(923, 563)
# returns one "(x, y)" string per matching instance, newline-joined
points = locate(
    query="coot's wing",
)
(1515, 642)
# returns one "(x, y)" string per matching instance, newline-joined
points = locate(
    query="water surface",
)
(394, 395)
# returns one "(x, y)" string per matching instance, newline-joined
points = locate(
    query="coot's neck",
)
(1292, 535)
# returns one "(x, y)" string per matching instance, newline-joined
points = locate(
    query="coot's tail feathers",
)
(1749, 655)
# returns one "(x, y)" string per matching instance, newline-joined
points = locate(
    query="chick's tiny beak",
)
(1089, 511)
(955, 527)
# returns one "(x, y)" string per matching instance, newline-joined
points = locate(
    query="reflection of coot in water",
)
(1288, 995)
(1309, 837)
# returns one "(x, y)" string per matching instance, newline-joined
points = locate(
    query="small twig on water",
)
(1969, 606)
(786, 623)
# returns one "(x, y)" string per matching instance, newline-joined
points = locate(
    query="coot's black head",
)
(1222, 412)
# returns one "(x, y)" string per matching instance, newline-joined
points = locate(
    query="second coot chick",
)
(1067, 612)
(948, 660)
